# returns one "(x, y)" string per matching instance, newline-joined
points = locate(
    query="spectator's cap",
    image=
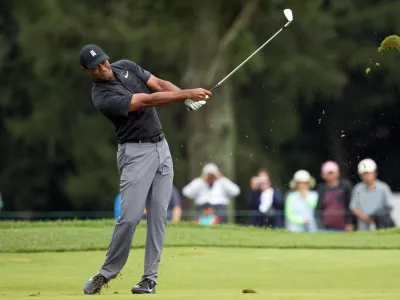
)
(91, 56)
(302, 176)
(210, 169)
(329, 167)
(366, 165)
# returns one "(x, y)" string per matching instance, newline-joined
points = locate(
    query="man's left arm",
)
(350, 217)
(156, 84)
(388, 197)
(231, 188)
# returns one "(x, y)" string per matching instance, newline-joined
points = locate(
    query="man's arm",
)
(348, 194)
(162, 98)
(359, 214)
(388, 197)
(231, 188)
(320, 205)
(158, 85)
(176, 213)
(354, 207)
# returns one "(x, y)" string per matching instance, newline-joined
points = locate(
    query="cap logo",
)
(93, 53)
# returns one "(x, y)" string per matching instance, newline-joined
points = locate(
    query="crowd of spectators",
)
(332, 205)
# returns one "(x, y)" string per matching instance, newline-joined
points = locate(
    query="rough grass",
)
(95, 235)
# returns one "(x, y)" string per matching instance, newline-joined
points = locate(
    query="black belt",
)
(153, 139)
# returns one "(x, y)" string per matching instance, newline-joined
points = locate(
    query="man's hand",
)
(194, 105)
(349, 227)
(306, 222)
(368, 220)
(198, 98)
(199, 94)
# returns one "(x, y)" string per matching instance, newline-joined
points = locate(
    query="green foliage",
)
(58, 152)
(390, 43)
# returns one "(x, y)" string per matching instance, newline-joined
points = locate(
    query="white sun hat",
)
(302, 176)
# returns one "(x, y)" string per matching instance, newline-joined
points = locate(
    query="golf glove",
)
(194, 105)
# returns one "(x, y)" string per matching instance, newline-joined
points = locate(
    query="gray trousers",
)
(146, 182)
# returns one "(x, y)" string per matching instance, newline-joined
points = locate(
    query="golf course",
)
(52, 260)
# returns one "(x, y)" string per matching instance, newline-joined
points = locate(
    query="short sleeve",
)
(113, 103)
(388, 195)
(140, 73)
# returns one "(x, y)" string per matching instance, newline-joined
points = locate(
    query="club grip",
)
(214, 87)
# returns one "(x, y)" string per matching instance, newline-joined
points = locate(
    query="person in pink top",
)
(333, 209)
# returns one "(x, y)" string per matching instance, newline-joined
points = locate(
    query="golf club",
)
(289, 16)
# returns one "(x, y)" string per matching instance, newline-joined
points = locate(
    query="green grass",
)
(211, 273)
(95, 235)
(52, 260)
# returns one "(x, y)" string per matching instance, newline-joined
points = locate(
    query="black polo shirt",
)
(113, 97)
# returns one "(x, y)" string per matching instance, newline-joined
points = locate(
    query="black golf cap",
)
(91, 56)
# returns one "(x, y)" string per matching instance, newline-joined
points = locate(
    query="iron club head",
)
(288, 14)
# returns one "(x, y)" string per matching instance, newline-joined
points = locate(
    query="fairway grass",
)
(195, 273)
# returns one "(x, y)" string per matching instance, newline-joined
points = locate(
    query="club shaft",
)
(254, 53)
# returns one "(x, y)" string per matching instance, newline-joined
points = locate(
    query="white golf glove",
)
(194, 105)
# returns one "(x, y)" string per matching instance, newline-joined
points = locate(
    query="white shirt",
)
(220, 192)
(266, 200)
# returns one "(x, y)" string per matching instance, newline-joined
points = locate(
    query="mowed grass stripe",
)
(89, 235)
(212, 273)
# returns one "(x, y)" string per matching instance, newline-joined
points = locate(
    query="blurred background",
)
(304, 99)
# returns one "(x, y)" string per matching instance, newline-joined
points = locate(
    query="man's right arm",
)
(355, 207)
(162, 98)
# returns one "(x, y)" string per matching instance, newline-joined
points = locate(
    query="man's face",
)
(263, 180)
(101, 72)
(210, 178)
(330, 176)
(368, 177)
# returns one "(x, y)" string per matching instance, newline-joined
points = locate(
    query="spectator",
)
(266, 202)
(174, 207)
(212, 187)
(333, 208)
(207, 216)
(117, 206)
(1, 204)
(371, 198)
(300, 204)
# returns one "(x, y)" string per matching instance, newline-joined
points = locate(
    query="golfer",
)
(122, 91)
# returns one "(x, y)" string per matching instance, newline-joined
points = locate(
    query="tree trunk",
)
(212, 133)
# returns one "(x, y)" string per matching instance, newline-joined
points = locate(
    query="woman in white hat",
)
(300, 204)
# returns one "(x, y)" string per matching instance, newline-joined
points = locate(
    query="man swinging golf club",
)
(122, 91)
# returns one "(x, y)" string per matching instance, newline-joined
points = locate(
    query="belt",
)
(153, 139)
